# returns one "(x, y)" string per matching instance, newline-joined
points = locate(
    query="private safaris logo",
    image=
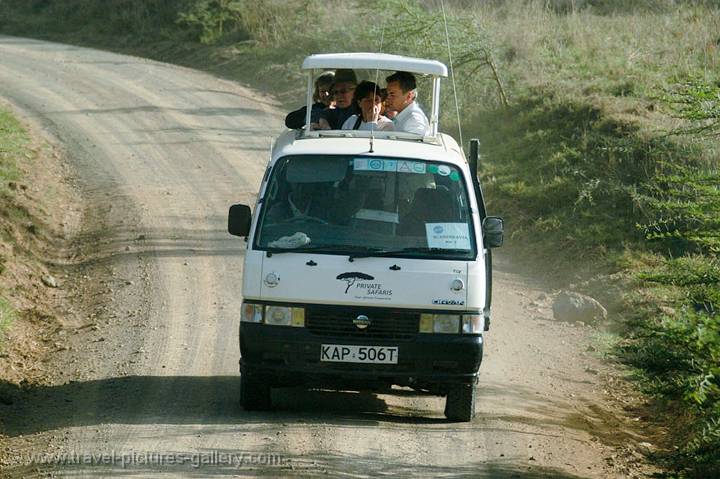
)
(352, 277)
(363, 283)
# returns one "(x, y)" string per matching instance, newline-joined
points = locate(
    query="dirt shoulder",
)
(41, 225)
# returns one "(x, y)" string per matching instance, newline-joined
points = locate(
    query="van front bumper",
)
(290, 356)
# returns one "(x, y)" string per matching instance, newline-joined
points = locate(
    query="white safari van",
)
(378, 274)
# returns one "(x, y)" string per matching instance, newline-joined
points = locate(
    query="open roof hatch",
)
(376, 61)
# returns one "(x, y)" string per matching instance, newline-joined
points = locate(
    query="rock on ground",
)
(575, 307)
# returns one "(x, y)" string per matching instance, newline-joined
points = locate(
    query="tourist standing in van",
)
(345, 107)
(322, 98)
(402, 94)
(369, 99)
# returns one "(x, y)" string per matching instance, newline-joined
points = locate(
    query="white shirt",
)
(383, 123)
(412, 120)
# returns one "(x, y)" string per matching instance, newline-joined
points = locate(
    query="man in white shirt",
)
(401, 95)
(367, 97)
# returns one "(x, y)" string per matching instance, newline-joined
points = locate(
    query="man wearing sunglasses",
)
(345, 107)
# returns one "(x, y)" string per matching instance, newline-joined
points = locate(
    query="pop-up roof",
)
(375, 61)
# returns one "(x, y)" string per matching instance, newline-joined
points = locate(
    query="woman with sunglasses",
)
(322, 99)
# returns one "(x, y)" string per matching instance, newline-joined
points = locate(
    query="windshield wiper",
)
(338, 249)
(379, 253)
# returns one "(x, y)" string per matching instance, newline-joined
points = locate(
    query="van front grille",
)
(385, 324)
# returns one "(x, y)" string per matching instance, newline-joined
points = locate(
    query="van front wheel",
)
(254, 393)
(460, 403)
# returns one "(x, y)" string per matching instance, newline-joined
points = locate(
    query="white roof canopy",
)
(375, 61)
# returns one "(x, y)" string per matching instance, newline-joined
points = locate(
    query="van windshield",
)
(366, 206)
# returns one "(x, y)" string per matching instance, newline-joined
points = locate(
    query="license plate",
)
(339, 353)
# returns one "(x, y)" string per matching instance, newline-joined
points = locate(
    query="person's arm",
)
(385, 124)
(323, 124)
(416, 123)
(324, 120)
(296, 119)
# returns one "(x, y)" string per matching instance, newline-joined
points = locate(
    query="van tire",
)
(460, 403)
(254, 393)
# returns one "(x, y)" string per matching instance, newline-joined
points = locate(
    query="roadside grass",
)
(13, 142)
(605, 344)
(605, 157)
(7, 316)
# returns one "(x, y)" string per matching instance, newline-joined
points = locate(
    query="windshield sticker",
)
(372, 164)
(400, 166)
(411, 167)
(448, 235)
(455, 176)
(443, 170)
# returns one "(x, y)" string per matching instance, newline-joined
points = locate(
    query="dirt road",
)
(159, 153)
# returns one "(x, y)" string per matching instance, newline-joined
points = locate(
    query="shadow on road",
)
(198, 400)
(209, 401)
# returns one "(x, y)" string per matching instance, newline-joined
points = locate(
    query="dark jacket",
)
(296, 119)
(337, 116)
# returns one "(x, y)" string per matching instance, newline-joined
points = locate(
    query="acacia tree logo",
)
(351, 278)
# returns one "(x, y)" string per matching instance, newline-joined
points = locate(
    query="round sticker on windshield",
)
(455, 176)
(432, 169)
(443, 170)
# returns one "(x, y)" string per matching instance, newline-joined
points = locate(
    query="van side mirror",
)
(239, 220)
(493, 229)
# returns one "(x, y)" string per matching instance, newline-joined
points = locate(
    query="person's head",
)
(367, 96)
(401, 89)
(387, 112)
(345, 83)
(324, 88)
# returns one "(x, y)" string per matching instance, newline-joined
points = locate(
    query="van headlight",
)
(252, 313)
(440, 323)
(473, 323)
(274, 315)
(451, 323)
(285, 316)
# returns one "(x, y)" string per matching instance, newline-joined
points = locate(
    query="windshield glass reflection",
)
(364, 205)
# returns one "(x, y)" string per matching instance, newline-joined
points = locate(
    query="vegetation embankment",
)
(35, 206)
(600, 128)
(13, 144)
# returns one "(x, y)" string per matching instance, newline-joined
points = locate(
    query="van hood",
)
(382, 282)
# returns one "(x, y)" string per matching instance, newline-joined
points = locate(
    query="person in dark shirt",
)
(322, 98)
(345, 106)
